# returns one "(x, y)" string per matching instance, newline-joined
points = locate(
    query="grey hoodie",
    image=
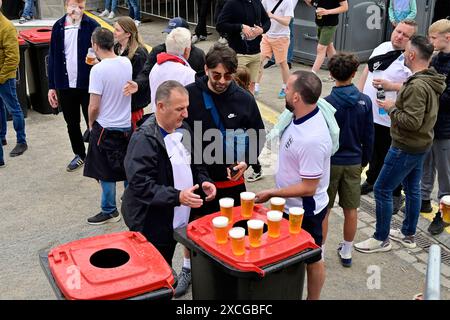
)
(415, 111)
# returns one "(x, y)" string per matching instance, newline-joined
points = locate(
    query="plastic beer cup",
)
(295, 219)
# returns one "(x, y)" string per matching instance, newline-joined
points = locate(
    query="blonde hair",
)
(440, 26)
(135, 41)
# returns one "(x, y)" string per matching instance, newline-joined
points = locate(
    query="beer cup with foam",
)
(247, 203)
(226, 208)
(220, 225)
(237, 236)
(255, 231)
(277, 204)
(90, 57)
(274, 223)
(295, 219)
(445, 201)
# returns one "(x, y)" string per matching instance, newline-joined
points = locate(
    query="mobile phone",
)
(232, 171)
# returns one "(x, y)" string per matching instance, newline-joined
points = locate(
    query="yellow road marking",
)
(267, 113)
(106, 25)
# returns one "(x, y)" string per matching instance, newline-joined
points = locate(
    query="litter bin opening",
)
(243, 224)
(109, 258)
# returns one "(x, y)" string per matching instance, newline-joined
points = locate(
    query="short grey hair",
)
(165, 89)
(177, 41)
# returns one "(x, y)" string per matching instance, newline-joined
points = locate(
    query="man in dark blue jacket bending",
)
(354, 117)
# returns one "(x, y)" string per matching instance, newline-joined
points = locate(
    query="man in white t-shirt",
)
(304, 166)
(172, 64)
(109, 123)
(276, 40)
(390, 80)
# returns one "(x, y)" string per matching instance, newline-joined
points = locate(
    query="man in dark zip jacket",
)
(355, 120)
(162, 180)
(244, 22)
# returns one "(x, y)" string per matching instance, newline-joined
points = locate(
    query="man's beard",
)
(289, 107)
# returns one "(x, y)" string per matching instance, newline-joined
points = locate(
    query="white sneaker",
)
(372, 245)
(137, 23)
(194, 39)
(111, 15)
(104, 13)
(255, 176)
(407, 241)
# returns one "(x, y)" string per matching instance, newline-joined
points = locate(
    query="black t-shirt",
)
(328, 20)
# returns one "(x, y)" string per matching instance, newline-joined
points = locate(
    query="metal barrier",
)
(433, 284)
(168, 9)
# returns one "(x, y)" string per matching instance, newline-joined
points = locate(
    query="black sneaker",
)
(2, 164)
(437, 225)
(102, 218)
(269, 64)
(4, 142)
(184, 280)
(290, 65)
(426, 206)
(19, 149)
(366, 188)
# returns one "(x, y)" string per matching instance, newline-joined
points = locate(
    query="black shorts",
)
(313, 225)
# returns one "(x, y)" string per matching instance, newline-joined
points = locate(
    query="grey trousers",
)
(437, 159)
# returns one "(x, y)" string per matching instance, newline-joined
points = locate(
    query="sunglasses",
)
(218, 76)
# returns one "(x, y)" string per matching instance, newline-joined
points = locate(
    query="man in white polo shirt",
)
(172, 64)
(109, 123)
(386, 71)
(304, 165)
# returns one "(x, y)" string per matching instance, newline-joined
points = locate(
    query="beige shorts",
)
(276, 46)
(251, 61)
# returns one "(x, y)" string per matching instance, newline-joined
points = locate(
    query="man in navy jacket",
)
(68, 73)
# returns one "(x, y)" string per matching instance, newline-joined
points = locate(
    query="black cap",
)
(176, 22)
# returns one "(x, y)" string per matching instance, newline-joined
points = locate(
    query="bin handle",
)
(251, 267)
(310, 37)
(293, 260)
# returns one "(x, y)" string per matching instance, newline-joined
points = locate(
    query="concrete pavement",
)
(42, 206)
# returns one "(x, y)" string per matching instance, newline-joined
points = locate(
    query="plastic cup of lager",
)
(90, 57)
(255, 231)
(220, 225)
(274, 223)
(247, 203)
(445, 201)
(226, 208)
(277, 204)
(295, 219)
(237, 236)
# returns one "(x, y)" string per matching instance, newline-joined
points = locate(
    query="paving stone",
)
(422, 257)
(415, 250)
(361, 224)
(405, 256)
(364, 216)
(445, 283)
(368, 231)
(445, 270)
(421, 267)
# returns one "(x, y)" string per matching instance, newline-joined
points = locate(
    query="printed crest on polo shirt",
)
(289, 142)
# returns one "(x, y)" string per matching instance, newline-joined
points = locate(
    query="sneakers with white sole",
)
(111, 15)
(373, 245)
(407, 241)
(104, 13)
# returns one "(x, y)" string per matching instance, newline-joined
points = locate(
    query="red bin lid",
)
(272, 250)
(21, 40)
(87, 269)
(37, 35)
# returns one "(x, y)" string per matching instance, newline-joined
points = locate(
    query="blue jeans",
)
(9, 101)
(108, 203)
(28, 9)
(111, 5)
(290, 53)
(134, 10)
(2, 160)
(399, 167)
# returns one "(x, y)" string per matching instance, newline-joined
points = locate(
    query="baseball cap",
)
(176, 23)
